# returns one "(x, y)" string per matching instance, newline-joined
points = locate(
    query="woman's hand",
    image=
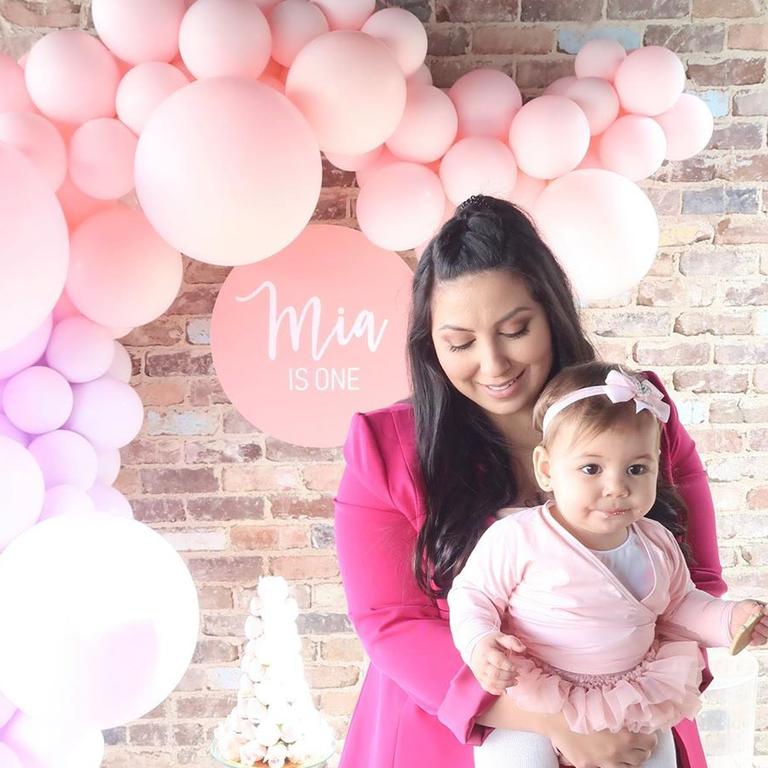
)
(602, 749)
(492, 661)
(743, 611)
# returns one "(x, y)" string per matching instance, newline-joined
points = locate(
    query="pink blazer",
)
(419, 701)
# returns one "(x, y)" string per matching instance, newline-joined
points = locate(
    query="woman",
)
(492, 320)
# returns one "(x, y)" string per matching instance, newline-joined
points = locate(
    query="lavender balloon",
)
(37, 400)
(65, 458)
(22, 487)
(64, 500)
(80, 350)
(27, 351)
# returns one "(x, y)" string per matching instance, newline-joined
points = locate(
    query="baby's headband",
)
(619, 388)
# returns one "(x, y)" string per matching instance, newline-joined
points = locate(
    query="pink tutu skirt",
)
(659, 692)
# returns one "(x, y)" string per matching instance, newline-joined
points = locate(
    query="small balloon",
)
(486, 101)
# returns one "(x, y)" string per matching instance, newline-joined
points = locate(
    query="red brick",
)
(447, 40)
(209, 705)
(758, 440)
(200, 272)
(747, 293)
(235, 423)
(671, 353)
(211, 650)
(710, 440)
(128, 482)
(54, 14)
(269, 537)
(757, 498)
(717, 323)
(225, 508)
(744, 168)
(341, 649)
(188, 734)
(338, 702)
(751, 103)
(742, 352)
(760, 379)
(162, 392)
(737, 136)
(179, 480)
(214, 598)
(163, 332)
(261, 477)
(148, 734)
(206, 392)
(327, 676)
(741, 232)
(539, 73)
(322, 477)
(653, 292)
(730, 263)
(223, 625)
(511, 38)
(698, 168)
(299, 567)
(222, 451)
(476, 10)
(728, 72)
(146, 450)
(196, 300)
(187, 363)
(154, 510)
(277, 450)
(726, 9)
(244, 569)
(686, 38)
(332, 205)
(712, 380)
(290, 506)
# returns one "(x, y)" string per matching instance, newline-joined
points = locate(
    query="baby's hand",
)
(492, 663)
(742, 612)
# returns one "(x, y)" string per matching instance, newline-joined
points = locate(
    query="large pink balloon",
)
(354, 162)
(351, 90)
(241, 189)
(597, 99)
(650, 80)
(599, 58)
(39, 141)
(6, 710)
(382, 159)
(138, 281)
(225, 38)
(8, 758)
(78, 206)
(106, 412)
(72, 77)
(403, 34)
(37, 400)
(294, 23)
(109, 465)
(602, 228)
(109, 501)
(549, 136)
(526, 191)
(80, 350)
(35, 251)
(143, 88)
(687, 127)
(21, 483)
(400, 206)
(13, 89)
(478, 165)
(139, 30)
(121, 367)
(66, 458)
(346, 14)
(428, 126)
(486, 101)
(633, 146)
(7, 429)
(126, 615)
(64, 500)
(27, 352)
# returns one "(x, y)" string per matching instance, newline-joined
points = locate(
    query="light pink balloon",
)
(72, 77)
(138, 281)
(294, 23)
(597, 99)
(35, 251)
(428, 126)
(8, 758)
(7, 429)
(382, 160)
(237, 192)
(39, 141)
(687, 127)
(7, 710)
(107, 412)
(478, 165)
(22, 486)
(650, 80)
(66, 458)
(101, 156)
(422, 76)
(124, 634)
(225, 38)
(27, 351)
(80, 350)
(549, 136)
(346, 14)
(64, 308)
(139, 30)
(109, 466)
(13, 89)
(64, 500)
(633, 146)
(402, 33)
(526, 191)
(602, 228)
(486, 101)
(560, 86)
(121, 367)
(78, 206)
(353, 162)
(599, 58)
(143, 88)
(109, 501)
(38, 399)
(350, 89)
(400, 206)
(592, 158)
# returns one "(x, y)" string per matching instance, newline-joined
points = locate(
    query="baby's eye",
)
(590, 469)
(637, 469)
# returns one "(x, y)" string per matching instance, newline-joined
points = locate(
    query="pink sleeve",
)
(400, 627)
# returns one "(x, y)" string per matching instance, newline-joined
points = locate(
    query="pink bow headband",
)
(619, 388)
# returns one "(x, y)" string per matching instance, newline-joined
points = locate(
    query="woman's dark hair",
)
(464, 459)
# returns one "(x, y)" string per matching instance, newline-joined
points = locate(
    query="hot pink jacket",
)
(418, 703)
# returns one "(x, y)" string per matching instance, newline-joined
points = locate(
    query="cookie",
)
(743, 634)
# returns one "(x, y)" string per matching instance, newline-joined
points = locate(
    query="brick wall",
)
(237, 503)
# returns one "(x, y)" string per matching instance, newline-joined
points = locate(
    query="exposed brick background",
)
(237, 503)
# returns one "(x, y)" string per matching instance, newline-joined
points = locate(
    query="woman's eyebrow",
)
(506, 317)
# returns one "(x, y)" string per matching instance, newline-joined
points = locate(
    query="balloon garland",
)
(216, 113)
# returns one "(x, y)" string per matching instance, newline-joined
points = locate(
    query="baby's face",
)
(604, 482)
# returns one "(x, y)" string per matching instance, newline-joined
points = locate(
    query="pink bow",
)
(621, 388)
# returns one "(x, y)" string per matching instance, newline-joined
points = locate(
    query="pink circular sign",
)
(307, 337)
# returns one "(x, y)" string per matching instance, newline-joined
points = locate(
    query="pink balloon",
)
(64, 500)
(549, 136)
(422, 76)
(80, 350)
(526, 191)
(124, 634)
(400, 206)
(13, 89)
(225, 38)
(8, 758)
(109, 501)
(78, 206)
(72, 77)
(240, 190)
(382, 160)
(27, 351)
(37, 400)
(592, 158)
(597, 99)
(107, 412)
(39, 141)
(353, 162)
(486, 101)
(402, 33)
(294, 23)
(138, 281)
(7, 429)
(428, 126)
(687, 127)
(109, 466)
(22, 485)
(346, 14)
(560, 86)
(143, 88)
(602, 228)
(599, 58)
(121, 367)
(650, 80)
(351, 90)
(101, 155)
(478, 165)
(66, 458)
(7, 710)
(34, 255)
(64, 308)
(140, 30)
(633, 146)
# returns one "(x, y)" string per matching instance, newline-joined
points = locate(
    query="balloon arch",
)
(198, 128)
